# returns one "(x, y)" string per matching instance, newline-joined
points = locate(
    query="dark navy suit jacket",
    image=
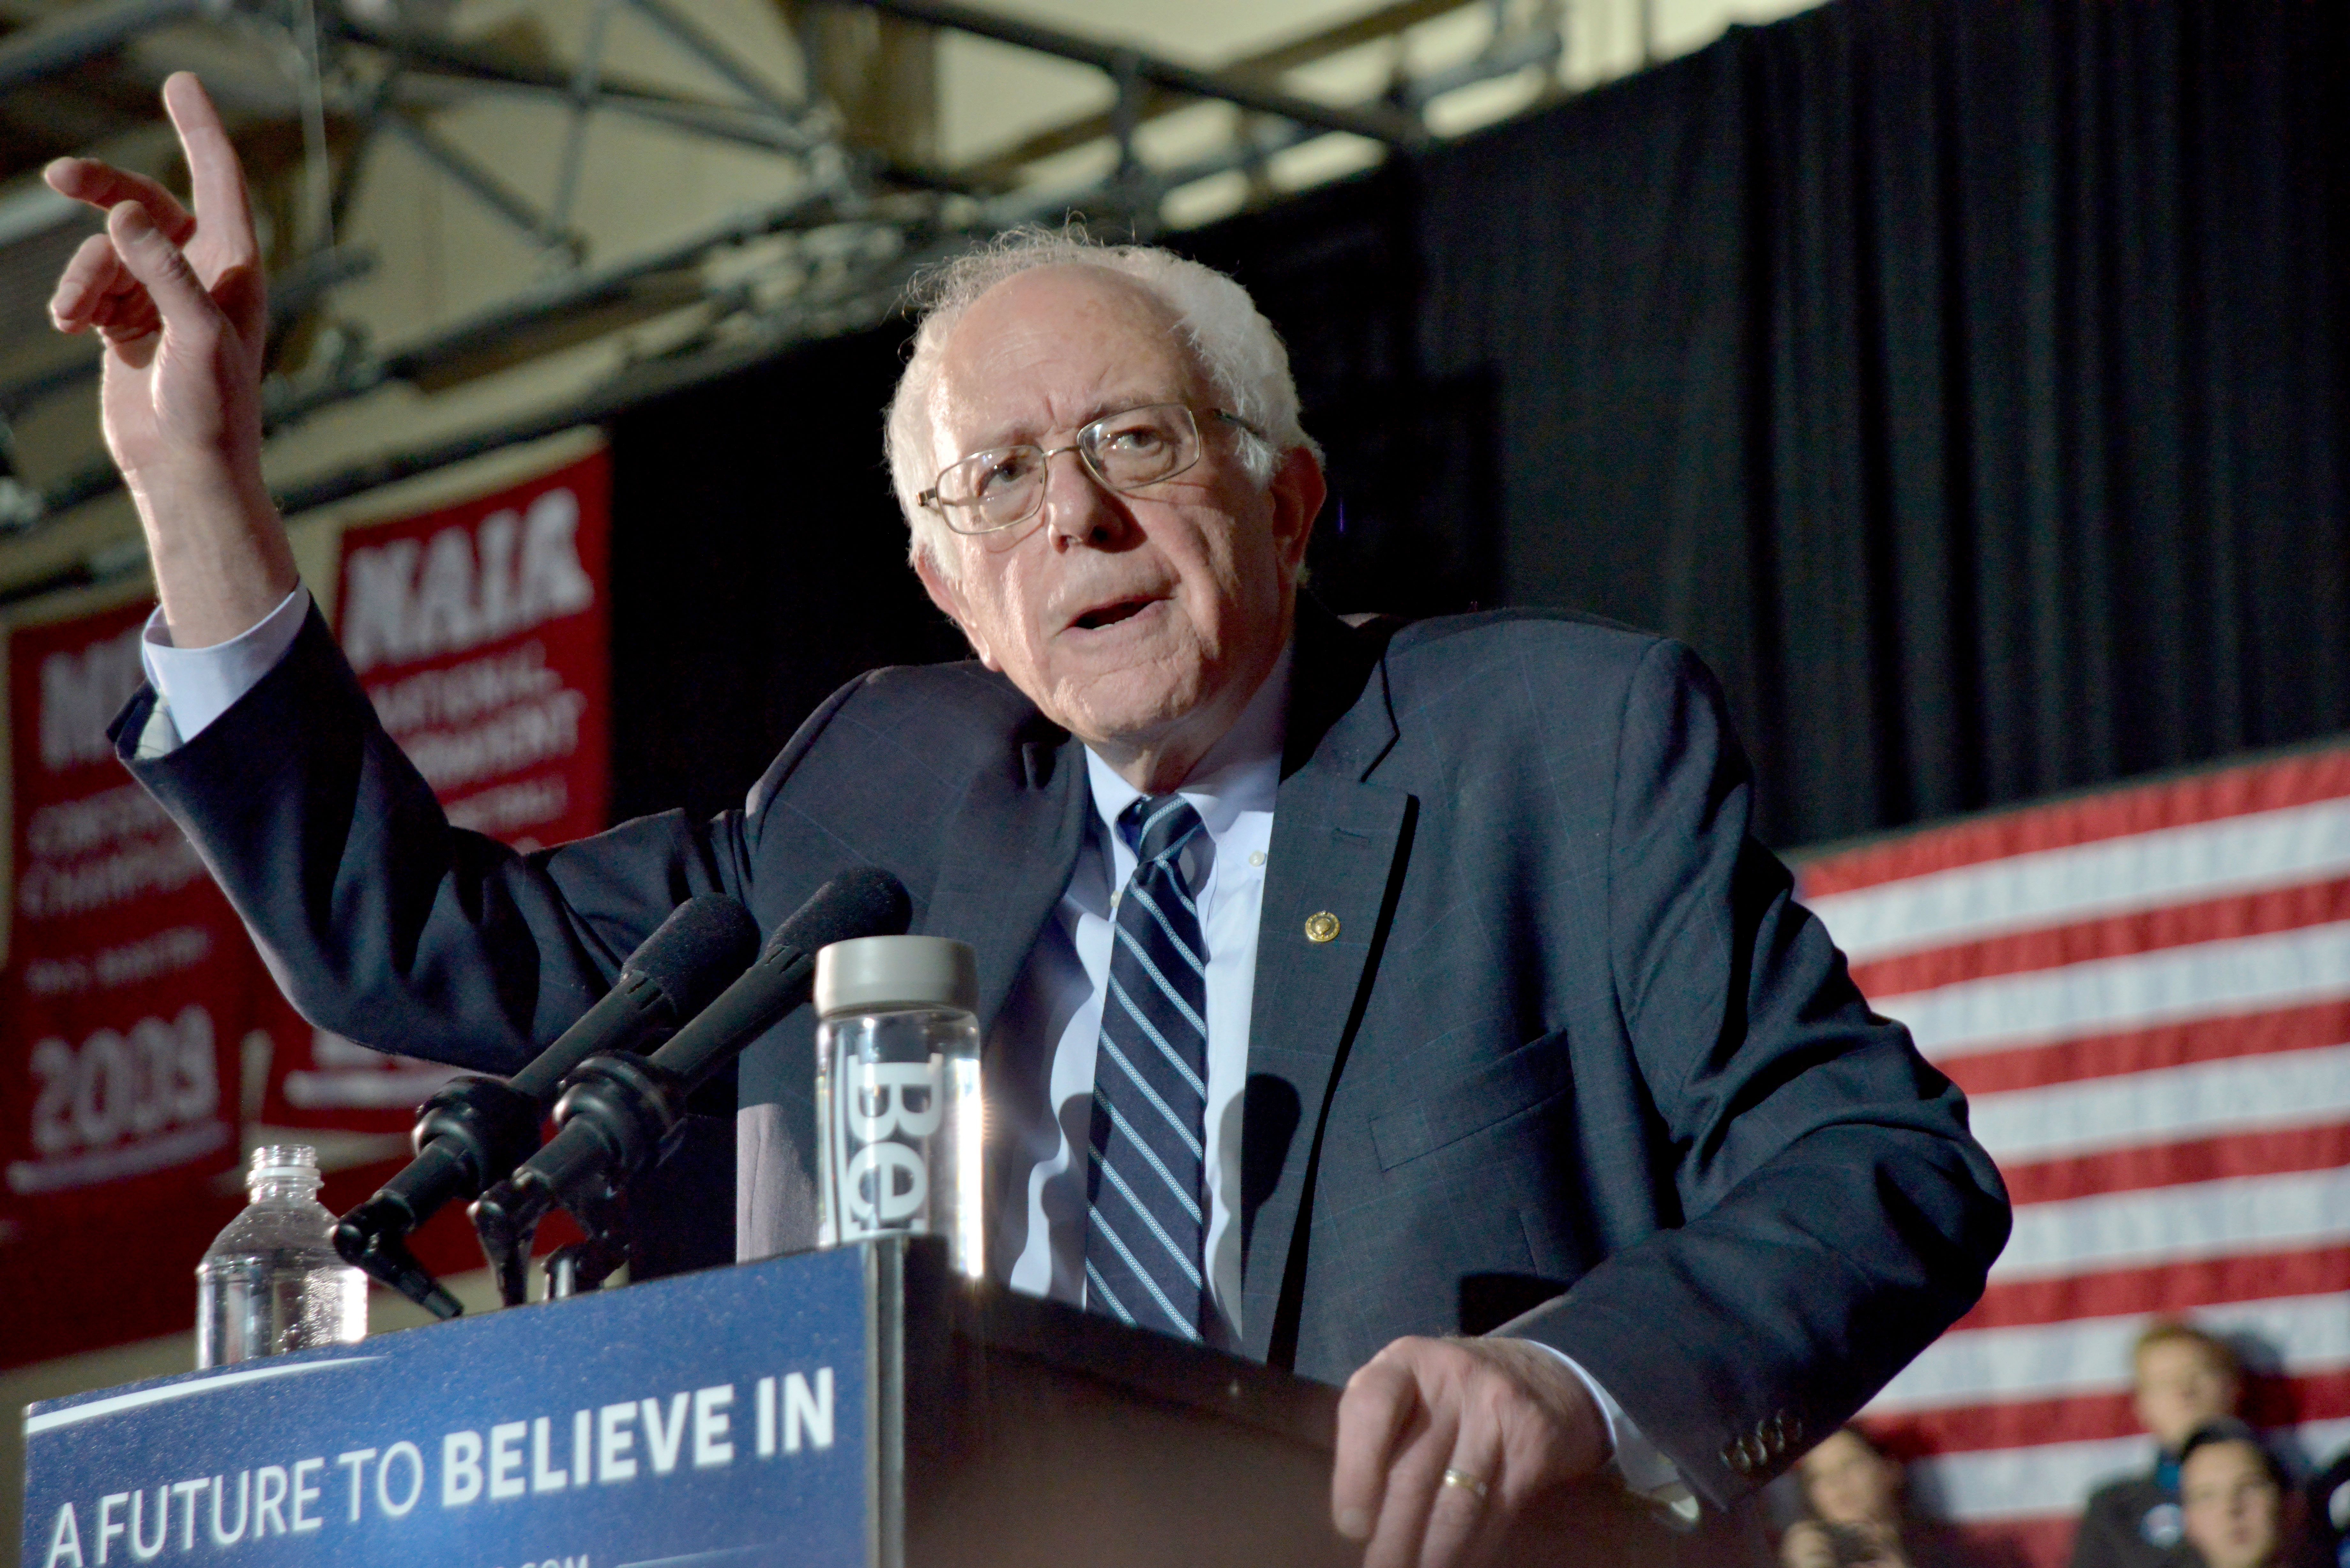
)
(1574, 1039)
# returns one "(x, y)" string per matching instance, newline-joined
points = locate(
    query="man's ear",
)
(947, 594)
(1298, 491)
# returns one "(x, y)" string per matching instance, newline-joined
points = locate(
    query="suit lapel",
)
(1015, 836)
(1338, 846)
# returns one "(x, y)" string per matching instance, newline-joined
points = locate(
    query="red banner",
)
(125, 1009)
(130, 984)
(137, 1026)
(482, 633)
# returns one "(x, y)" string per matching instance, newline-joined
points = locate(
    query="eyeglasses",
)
(1126, 451)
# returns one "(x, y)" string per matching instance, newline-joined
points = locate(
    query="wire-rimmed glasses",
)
(1125, 451)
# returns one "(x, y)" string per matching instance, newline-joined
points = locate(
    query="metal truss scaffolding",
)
(832, 256)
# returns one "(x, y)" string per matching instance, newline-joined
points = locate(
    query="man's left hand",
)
(1444, 1443)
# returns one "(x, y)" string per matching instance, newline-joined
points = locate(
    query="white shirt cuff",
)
(1636, 1461)
(197, 685)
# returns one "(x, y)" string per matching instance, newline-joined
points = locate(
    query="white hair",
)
(1235, 345)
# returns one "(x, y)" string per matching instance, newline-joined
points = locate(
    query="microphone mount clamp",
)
(632, 1111)
(472, 1126)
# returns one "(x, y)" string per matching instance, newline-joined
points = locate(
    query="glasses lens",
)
(992, 489)
(1142, 445)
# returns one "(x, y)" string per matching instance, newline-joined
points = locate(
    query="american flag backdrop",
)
(2145, 995)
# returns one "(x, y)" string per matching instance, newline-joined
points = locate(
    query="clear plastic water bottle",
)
(272, 1282)
(900, 1123)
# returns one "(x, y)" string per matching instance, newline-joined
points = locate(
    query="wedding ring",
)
(1466, 1482)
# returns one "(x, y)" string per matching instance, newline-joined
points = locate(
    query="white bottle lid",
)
(871, 974)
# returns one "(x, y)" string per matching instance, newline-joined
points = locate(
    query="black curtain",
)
(758, 563)
(1965, 380)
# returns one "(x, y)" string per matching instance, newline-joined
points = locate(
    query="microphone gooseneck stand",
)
(628, 1112)
(621, 1113)
(470, 1127)
(476, 1129)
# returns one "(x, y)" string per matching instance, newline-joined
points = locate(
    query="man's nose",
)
(1078, 509)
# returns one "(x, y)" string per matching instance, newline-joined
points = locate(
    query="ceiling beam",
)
(1002, 167)
(1377, 122)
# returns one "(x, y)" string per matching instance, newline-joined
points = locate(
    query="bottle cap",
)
(873, 974)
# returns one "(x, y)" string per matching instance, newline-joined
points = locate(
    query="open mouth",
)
(1111, 614)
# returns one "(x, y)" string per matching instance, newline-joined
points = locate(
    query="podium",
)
(854, 1406)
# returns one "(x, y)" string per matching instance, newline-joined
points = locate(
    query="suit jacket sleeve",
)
(378, 918)
(1835, 1214)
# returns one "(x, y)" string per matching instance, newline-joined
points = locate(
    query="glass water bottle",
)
(899, 1112)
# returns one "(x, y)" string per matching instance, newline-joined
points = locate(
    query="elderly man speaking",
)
(1461, 960)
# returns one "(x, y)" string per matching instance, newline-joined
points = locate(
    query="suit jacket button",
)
(1322, 928)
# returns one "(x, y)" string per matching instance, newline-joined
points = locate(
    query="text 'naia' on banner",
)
(482, 633)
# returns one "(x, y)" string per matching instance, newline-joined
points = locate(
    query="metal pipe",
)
(1246, 151)
(1535, 50)
(421, 56)
(742, 124)
(583, 99)
(557, 297)
(1380, 125)
(492, 192)
(720, 121)
(688, 35)
(1384, 21)
(316, 226)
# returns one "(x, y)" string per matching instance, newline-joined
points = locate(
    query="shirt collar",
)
(1242, 772)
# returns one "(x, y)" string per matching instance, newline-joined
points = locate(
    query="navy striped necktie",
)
(1146, 1186)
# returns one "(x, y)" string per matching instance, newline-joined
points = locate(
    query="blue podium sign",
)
(738, 1417)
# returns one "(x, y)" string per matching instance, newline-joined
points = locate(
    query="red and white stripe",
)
(2146, 995)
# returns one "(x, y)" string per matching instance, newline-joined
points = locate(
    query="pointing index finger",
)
(215, 176)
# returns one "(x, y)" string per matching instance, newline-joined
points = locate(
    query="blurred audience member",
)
(2329, 1514)
(2182, 1378)
(1859, 1514)
(2231, 1498)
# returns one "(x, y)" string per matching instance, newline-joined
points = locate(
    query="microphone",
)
(863, 901)
(619, 1114)
(476, 1129)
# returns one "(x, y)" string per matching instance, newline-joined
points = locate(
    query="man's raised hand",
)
(178, 299)
(1445, 1444)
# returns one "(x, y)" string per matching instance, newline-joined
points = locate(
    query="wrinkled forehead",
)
(1045, 352)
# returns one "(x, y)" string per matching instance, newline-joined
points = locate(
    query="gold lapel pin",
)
(1322, 928)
